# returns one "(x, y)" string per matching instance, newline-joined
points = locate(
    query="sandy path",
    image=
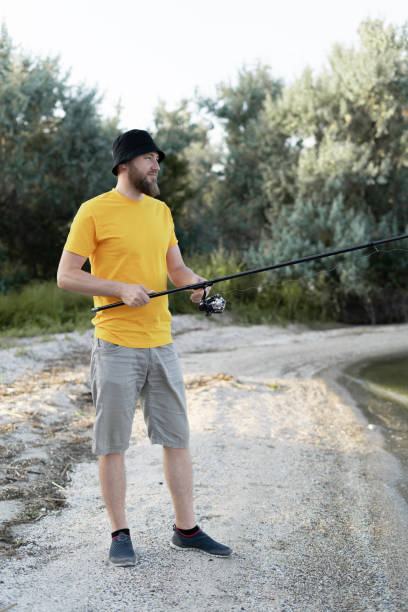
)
(287, 473)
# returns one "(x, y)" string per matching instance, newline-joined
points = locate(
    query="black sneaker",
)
(199, 541)
(121, 552)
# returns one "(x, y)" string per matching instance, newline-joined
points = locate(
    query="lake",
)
(380, 388)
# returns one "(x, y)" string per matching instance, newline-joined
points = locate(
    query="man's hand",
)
(197, 294)
(135, 295)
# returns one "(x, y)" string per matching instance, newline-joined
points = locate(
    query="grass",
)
(42, 308)
(6, 345)
(22, 352)
(260, 298)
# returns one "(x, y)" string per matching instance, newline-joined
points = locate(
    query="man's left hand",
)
(197, 294)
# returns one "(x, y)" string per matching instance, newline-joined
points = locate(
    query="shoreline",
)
(384, 414)
(315, 488)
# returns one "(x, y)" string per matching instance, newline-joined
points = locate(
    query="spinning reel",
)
(212, 305)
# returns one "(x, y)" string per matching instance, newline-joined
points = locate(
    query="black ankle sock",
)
(116, 533)
(188, 531)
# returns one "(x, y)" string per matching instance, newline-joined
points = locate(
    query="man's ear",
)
(122, 167)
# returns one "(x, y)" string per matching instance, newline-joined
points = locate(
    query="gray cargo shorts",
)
(120, 376)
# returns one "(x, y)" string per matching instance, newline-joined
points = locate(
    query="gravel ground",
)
(287, 472)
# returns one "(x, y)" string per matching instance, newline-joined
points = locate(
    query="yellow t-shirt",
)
(127, 241)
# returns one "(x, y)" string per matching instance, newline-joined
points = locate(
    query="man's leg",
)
(178, 471)
(164, 409)
(117, 374)
(186, 533)
(113, 485)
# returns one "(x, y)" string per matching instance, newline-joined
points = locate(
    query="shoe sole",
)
(191, 548)
(124, 563)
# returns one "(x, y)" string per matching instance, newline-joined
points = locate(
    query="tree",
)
(186, 178)
(241, 201)
(345, 133)
(54, 154)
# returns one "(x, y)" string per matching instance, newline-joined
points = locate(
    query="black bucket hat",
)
(130, 144)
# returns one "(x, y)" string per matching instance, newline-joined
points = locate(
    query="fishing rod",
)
(216, 303)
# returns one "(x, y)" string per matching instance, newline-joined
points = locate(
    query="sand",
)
(288, 472)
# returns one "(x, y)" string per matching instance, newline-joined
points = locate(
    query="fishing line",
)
(216, 303)
(283, 282)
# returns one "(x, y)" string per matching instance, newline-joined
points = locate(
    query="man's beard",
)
(142, 183)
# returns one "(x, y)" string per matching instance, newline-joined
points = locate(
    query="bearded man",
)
(128, 236)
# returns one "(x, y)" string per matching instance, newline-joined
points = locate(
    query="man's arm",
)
(180, 274)
(70, 276)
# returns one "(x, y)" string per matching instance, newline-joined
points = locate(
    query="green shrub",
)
(261, 297)
(41, 307)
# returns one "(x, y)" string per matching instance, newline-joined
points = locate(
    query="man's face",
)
(142, 173)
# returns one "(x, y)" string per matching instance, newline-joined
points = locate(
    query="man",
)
(129, 238)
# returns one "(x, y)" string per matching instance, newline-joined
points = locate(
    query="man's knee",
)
(111, 459)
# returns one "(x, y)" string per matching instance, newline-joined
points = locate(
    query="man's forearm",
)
(83, 282)
(184, 276)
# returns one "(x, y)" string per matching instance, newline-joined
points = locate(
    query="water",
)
(387, 377)
(380, 388)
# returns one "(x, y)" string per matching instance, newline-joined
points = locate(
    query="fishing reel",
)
(212, 305)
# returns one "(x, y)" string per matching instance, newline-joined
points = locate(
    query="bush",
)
(260, 298)
(42, 307)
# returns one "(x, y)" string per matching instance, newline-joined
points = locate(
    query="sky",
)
(139, 52)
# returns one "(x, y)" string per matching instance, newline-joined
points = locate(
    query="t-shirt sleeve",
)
(173, 237)
(82, 235)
